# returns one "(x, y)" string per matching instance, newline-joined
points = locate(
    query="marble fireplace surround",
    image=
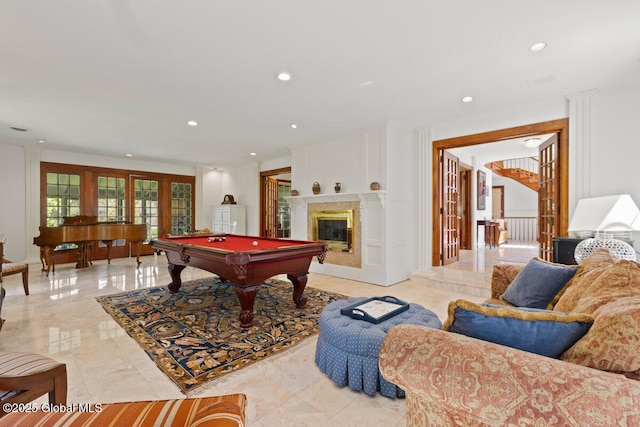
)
(353, 259)
(369, 259)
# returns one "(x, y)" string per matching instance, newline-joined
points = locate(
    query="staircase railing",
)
(523, 170)
(525, 163)
(522, 228)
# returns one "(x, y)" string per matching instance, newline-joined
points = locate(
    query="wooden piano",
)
(83, 231)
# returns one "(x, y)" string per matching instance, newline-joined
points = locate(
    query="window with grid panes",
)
(146, 205)
(284, 211)
(63, 197)
(181, 207)
(111, 198)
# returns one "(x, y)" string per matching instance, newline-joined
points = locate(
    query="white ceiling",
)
(514, 148)
(124, 76)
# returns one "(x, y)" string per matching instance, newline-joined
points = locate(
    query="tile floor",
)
(62, 319)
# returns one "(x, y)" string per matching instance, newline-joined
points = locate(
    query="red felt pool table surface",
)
(237, 243)
(238, 261)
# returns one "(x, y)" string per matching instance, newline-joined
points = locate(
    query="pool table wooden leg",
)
(299, 283)
(246, 296)
(176, 280)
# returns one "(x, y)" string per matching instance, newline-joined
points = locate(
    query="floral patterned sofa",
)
(451, 379)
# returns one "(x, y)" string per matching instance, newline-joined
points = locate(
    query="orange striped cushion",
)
(219, 411)
(14, 364)
(12, 267)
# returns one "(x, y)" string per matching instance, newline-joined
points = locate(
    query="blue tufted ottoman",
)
(348, 348)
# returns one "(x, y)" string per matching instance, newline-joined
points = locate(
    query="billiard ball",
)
(255, 243)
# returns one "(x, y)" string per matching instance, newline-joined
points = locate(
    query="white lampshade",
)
(608, 213)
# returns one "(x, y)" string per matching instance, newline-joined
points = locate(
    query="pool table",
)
(244, 261)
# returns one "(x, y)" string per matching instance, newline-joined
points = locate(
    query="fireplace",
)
(334, 227)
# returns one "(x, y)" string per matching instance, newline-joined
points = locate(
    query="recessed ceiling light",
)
(467, 99)
(293, 126)
(129, 155)
(252, 154)
(192, 123)
(41, 141)
(537, 47)
(284, 76)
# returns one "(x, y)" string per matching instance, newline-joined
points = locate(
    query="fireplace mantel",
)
(340, 197)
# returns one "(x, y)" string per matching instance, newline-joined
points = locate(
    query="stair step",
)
(466, 282)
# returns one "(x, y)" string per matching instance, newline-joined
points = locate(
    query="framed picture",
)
(482, 190)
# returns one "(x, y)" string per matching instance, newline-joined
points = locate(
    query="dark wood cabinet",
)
(563, 249)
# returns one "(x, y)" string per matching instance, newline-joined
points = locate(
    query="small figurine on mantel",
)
(228, 200)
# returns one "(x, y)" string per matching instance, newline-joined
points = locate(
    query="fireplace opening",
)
(334, 227)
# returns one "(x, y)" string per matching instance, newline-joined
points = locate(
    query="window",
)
(111, 199)
(181, 207)
(63, 197)
(145, 209)
(284, 211)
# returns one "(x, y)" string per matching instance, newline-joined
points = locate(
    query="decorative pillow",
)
(591, 268)
(544, 332)
(621, 280)
(613, 342)
(538, 283)
(502, 276)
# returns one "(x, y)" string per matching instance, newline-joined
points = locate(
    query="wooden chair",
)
(26, 376)
(8, 268)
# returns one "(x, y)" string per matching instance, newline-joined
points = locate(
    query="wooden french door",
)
(548, 191)
(269, 182)
(450, 220)
(271, 207)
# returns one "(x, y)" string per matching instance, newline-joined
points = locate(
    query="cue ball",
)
(255, 243)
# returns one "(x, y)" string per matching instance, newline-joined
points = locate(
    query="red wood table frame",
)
(238, 261)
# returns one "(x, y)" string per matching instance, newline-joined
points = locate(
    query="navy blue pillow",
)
(545, 332)
(538, 283)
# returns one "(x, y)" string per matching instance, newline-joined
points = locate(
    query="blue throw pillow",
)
(545, 332)
(538, 283)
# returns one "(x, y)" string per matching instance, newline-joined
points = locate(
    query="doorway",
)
(552, 213)
(497, 201)
(275, 213)
(464, 206)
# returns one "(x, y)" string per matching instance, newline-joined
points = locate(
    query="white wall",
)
(243, 182)
(13, 202)
(518, 199)
(72, 158)
(380, 154)
(615, 146)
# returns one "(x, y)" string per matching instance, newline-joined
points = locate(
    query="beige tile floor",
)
(62, 319)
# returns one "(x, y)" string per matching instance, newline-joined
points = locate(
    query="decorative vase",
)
(337, 187)
(316, 188)
(374, 186)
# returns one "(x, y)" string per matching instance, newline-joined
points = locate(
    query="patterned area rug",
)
(194, 336)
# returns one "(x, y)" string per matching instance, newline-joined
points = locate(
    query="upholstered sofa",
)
(451, 379)
(217, 411)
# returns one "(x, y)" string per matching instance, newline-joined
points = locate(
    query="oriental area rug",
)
(194, 336)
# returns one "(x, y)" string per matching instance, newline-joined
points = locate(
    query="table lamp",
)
(606, 222)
